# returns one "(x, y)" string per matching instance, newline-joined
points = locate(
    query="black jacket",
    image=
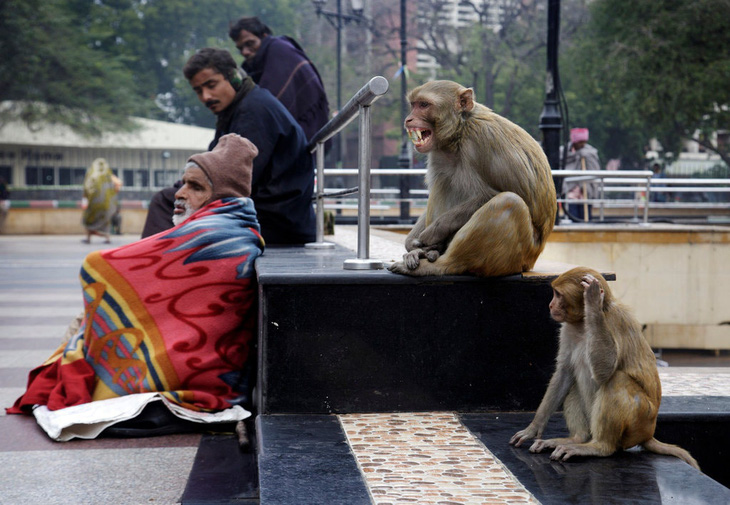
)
(283, 172)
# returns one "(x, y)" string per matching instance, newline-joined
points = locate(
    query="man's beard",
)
(179, 218)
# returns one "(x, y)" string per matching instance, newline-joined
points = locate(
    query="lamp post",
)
(551, 119)
(551, 122)
(338, 20)
(404, 159)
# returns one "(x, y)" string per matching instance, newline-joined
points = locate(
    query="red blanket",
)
(173, 313)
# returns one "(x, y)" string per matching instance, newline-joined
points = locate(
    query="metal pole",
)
(320, 243)
(646, 200)
(341, 139)
(363, 200)
(404, 160)
(551, 120)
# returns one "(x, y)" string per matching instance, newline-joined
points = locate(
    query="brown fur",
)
(492, 200)
(605, 377)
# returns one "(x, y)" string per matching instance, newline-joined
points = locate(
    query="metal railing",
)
(639, 179)
(358, 105)
(610, 185)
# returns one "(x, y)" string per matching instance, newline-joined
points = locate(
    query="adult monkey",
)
(492, 200)
(605, 376)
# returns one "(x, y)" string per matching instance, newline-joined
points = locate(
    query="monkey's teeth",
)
(416, 136)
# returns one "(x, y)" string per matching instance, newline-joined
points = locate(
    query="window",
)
(68, 176)
(39, 176)
(6, 174)
(166, 178)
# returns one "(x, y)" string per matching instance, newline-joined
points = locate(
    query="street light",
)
(338, 20)
(551, 121)
(404, 159)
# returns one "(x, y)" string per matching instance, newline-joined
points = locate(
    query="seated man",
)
(169, 317)
(282, 183)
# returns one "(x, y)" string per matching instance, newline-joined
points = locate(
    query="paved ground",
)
(406, 458)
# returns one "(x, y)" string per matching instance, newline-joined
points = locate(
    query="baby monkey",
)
(606, 376)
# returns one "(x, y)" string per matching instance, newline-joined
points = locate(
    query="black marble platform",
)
(700, 424)
(629, 477)
(306, 459)
(223, 473)
(334, 340)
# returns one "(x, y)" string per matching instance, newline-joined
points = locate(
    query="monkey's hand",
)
(436, 235)
(412, 258)
(565, 452)
(540, 445)
(592, 294)
(413, 243)
(410, 262)
(523, 436)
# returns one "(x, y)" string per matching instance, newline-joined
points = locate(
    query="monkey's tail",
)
(658, 447)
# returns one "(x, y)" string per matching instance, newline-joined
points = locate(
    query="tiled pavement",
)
(405, 458)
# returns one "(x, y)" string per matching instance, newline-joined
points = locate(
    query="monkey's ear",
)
(466, 100)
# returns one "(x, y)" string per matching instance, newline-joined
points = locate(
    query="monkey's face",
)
(419, 126)
(558, 310)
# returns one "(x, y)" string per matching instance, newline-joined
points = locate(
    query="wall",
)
(64, 221)
(675, 277)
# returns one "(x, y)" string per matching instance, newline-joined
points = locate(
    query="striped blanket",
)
(173, 314)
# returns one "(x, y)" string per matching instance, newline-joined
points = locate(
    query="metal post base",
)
(320, 245)
(362, 264)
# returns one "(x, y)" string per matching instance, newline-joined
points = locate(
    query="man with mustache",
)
(283, 172)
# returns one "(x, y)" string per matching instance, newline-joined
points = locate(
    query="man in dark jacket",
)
(280, 65)
(283, 172)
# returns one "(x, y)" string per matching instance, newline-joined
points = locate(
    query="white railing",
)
(639, 183)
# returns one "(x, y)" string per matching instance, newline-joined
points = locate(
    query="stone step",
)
(634, 476)
(333, 340)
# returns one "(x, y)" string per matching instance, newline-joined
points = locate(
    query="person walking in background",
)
(280, 65)
(102, 201)
(658, 196)
(4, 203)
(581, 156)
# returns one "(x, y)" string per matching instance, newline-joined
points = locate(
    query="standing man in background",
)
(581, 156)
(280, 65)
(283, 172)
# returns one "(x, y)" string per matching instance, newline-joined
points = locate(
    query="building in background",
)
(55, 157)
(456, 14)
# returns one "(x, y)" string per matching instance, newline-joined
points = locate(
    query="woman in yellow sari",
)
(100, 190)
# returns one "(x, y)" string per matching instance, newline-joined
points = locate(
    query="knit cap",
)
(578, 135)
(229, 166)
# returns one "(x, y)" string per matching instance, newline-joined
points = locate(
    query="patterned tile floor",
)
(425, 458)
(430, 458)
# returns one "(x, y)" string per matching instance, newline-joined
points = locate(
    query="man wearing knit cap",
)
(168, 320)
(224, 172)
(282, 181)
(582, 156)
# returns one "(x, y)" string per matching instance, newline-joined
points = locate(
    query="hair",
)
(210, 57)
(569, 285)
(207, 177)
(250, 24)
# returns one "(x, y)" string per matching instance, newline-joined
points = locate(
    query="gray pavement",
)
(39, 296)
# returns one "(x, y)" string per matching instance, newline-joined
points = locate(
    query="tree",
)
(50, 73)
(663, 65)
(92, 65)
(496, 47)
